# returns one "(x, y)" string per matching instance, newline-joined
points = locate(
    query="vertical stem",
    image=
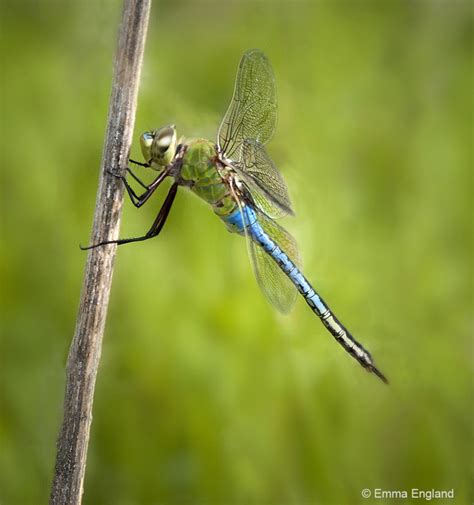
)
(86, 345)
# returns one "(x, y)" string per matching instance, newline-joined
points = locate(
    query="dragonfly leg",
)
(142, 184)
(150, 189)
(139, 200)
(156, 227)
(133, 196)
(146, 165)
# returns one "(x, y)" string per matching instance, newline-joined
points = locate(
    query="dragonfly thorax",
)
(203, 172)
(158, 146)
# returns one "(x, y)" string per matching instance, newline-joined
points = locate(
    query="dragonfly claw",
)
(378, 373)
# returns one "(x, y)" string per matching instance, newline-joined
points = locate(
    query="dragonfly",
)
(242, 185)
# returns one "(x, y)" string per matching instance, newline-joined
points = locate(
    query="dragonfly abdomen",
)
(315, 302)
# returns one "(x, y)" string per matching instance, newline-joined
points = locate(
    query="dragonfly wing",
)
(252, 111)
(265, 183)
(275, 284)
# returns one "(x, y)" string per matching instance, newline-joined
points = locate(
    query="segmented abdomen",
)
(315, 302)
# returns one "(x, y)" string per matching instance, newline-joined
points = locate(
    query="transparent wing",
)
(253, 109)
(275, 285)
(265, 183)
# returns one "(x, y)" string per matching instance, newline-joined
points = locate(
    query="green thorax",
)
(203, 173)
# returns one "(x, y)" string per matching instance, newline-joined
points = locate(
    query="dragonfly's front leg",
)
(133, 196)
(139, 163)
(139, 200)
(129, 170)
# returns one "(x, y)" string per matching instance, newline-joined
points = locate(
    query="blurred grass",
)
(205, 395)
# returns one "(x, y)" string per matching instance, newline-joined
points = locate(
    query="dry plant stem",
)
(86, 345)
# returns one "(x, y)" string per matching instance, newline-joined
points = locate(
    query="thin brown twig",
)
(84, 354)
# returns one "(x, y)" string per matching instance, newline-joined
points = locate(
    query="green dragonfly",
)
(237, 178)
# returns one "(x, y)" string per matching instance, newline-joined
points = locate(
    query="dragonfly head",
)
(158, 146)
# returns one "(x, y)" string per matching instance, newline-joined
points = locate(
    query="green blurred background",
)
(205, 395)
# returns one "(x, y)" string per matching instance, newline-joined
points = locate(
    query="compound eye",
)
(147, 139)
(163, 144)
(165, 139)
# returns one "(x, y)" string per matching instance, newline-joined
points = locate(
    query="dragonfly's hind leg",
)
(156, 227)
